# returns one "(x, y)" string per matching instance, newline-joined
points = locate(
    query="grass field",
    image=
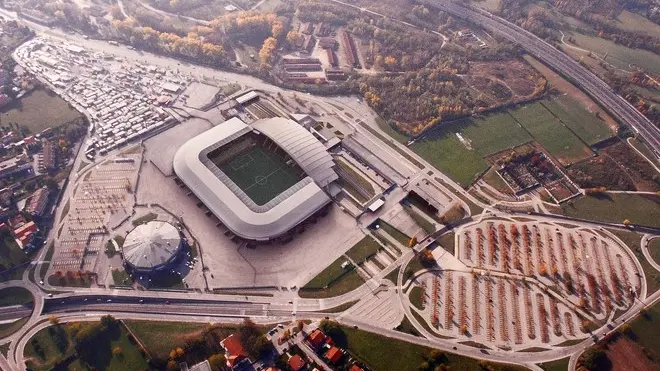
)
(416, 297)
(499, 131)
(363, 249)
(10, 256)
(582, 122)
(15, 296)
(161, 337)
(260, 174)
(617, 55)
(654, 250)
(615, 207)
(49, 255)
(633, 240)
(381, 353)
(395, 233)
(7, 329)
(554, 137)
(39, 110)
(332, 281)
(103, 358)
(636, 22)
(645, 328)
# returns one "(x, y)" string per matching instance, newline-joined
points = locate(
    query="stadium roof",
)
(151, 245)
(230, 204)
(302, 146)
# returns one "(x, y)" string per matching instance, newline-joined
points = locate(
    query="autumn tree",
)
(217, 361)
(266, 54)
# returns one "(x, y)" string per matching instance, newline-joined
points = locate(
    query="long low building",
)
(262, 180)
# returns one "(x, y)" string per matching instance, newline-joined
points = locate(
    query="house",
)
(36, 206)
(23, 234)
(47, 157)
(203, 366)
(356, 368)
(316, 338)
(334, 354)
(297, 363)
(234, 351)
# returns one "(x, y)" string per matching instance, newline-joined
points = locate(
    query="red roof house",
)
(234, 350)
(334, 355)
(316, 338)
(297, 363)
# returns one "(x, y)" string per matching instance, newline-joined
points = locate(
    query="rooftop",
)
(151, 245)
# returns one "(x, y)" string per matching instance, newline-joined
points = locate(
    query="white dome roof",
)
(151, 245)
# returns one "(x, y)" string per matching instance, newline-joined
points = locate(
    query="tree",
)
(267, 51)
(53, 320)
(117, 351)
(626, 222)
(293, 38)
(217, 361)
(595, 359)
(171, 365)
(179, 352)
(301, 325)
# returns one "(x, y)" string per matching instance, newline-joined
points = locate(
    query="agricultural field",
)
(39, 110)
(590, 271)
(618, 55)
(553, 136)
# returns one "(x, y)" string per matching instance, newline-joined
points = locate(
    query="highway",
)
(591, 84)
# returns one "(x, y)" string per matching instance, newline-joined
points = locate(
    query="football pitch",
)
(261, 175)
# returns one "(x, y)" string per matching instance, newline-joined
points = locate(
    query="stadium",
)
(261, 180)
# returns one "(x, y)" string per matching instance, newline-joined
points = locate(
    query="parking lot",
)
(526, 283)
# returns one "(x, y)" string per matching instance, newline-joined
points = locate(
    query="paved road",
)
(587, 81)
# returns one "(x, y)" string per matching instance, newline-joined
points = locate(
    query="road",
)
(591, 84)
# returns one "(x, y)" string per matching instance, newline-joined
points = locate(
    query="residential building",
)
(36, 206)
(236, 355)
(47, 157)
(334, 354)
(297, 363)
(23, 234)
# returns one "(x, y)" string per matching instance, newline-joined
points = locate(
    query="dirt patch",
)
(627, 355)
(502, 82)
(563, 86)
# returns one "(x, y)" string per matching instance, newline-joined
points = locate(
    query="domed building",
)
(152, 247)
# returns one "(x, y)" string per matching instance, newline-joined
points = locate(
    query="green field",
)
(363, 250)
(494, 133)
(15, 296)
(558, 365)
(381, 353)
(39, 110)
(645, 328)
(10, 256)
(633, 241)
(654, 250)
(49, 352)
(552, 135)
(583, 123)
(617, 55)
(393, 232)
(487, 135)
(500, 131)
(615, 207)
(161, 337)
(332, 281)
(638, 23)
(261, 175)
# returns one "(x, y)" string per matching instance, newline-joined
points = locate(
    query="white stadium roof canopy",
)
(235, 209)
